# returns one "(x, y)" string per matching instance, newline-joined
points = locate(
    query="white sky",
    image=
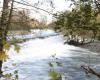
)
(60, 5)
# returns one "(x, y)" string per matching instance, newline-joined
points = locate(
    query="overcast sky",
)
(60, 5)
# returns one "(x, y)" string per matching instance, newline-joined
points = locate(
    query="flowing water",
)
(35, 54)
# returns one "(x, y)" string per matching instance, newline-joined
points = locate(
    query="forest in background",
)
(81, 23)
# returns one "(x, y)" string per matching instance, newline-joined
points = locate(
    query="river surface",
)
(35, 54)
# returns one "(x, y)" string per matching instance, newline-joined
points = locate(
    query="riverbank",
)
(95, 46)
(33, 34)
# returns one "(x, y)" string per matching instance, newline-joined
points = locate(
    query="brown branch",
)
(34, 7)
(90, 70)
(10, 15)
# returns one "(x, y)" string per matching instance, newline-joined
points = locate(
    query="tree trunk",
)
(94, 35)
(3, 27)
(0, 67)
(1, 49)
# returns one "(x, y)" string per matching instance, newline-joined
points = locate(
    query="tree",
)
(3, 26)
(5, 20)
(82, 19)
(20, 20)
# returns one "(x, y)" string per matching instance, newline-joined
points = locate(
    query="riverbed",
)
(35, 54)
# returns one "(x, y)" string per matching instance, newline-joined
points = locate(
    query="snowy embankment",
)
(34, 34)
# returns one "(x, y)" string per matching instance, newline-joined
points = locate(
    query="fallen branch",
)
(90, 70)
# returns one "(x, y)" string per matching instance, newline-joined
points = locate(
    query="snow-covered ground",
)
(36, 33)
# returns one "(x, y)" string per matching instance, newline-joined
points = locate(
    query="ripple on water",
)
(35, 54)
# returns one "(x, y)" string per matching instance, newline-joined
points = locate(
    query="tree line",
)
(80, 24)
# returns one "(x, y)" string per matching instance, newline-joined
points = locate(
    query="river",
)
(35, 54)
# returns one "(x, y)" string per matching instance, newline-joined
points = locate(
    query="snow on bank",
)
(34, 34)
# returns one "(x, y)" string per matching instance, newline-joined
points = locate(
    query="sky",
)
(60, 5)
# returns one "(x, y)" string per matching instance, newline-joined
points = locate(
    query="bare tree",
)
(5, 20)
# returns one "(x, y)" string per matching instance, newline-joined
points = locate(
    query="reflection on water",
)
(32, 61)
